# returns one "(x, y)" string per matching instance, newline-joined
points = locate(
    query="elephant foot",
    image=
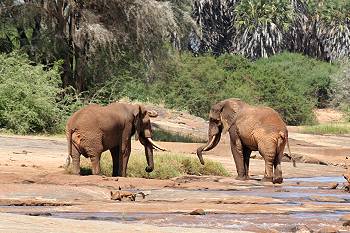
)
(278, 180)
(242, 177)
(75, 172)
(266, 179)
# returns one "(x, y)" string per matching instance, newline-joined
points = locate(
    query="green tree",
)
(28, 95)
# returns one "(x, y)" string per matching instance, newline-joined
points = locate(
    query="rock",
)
(301, 229)
(198, 212)
(346, 220)
(330, 186)
(333, 186)
(347, 177)
(327, 199)
(40, 214)
(328, 230)
(345, 217)
(346, 223)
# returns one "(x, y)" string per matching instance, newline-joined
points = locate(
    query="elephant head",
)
(221, 118)
(143, 133)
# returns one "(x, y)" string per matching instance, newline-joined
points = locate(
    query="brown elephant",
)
(95, 129)
(251, 129)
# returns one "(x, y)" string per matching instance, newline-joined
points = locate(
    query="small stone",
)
(301, 229)
(198, 212)
(328, 230)
(345, 217)
(23, 165)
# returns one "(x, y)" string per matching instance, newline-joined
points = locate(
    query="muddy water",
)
(297, 201)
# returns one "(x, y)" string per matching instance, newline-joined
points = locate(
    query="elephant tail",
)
(70, 144)
(284, 137)
(290, 154)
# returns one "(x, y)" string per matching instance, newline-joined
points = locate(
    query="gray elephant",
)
(95, 129)
(251, 129)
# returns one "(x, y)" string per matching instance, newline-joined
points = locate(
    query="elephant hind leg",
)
(246, 158)
(277, 173)
(75, 161)
(269, 156)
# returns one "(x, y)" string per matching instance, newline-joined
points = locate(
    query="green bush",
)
(167, 165)
(293, 85)
(28, 95)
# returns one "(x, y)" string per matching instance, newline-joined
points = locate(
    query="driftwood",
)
(120, 195)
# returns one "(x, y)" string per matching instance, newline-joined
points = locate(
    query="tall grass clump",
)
(167, 165)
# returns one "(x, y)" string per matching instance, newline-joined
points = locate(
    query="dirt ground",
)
(37, 194)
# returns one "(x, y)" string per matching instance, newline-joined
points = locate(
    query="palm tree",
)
(260, 27)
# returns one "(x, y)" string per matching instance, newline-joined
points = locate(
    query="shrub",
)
(293, 85)
(28, 95)
(341, 87)
(167, 165)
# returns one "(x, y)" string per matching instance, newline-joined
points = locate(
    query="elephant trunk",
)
(149, 153)
(149, 158)
(212, 142)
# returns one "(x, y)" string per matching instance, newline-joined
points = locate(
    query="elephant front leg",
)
(237, 153)
(124, 158)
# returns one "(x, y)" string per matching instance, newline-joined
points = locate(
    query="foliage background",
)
(56, 56)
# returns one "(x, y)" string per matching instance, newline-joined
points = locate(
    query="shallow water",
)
(253, 222)
(294, 192)
(327, 179)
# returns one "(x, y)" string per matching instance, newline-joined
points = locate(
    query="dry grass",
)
(167, 165)
(331, 128)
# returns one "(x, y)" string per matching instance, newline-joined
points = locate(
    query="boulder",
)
(198, 212)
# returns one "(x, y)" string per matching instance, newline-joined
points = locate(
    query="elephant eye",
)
(216, 121)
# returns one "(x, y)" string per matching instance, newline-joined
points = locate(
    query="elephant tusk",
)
(155, 145)
(210, 143)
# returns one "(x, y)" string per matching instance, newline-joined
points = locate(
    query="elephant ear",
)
(215, 111)
(228, 113)
(137, 120)
(139, 113)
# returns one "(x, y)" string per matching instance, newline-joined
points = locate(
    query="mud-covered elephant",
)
(95, 129)
(251, 129)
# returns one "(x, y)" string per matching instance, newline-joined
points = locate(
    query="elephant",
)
(251, 128)
(95, 129)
